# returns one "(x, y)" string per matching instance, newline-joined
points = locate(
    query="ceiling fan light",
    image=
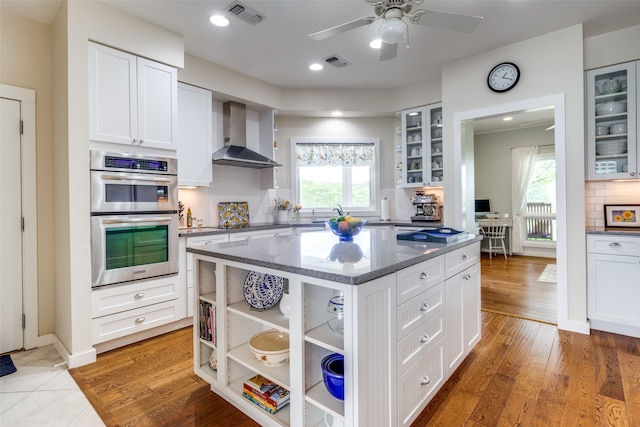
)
(392, 30)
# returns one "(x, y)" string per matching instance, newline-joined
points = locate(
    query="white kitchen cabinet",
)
(194, 144)
(612, 136)
(186, 261)
(613, 283)
(394, 342)
(422, 148)
(132, 100)
(128, 308)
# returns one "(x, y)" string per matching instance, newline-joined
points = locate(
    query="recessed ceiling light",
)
(316, 67)
(336, 113)
(219, 20)
(375, 44)
(508, 118)
(413, 114)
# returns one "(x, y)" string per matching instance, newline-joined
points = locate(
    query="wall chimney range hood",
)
(234, 131)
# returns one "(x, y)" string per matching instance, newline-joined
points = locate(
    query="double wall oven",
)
(134, 217)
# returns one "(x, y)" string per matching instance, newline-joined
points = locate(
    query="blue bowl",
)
(333, 375)
(345, 229)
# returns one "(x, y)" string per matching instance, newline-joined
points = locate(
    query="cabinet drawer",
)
(418, 278)
(461, 259)
(418, 310)
(234, 237)
(420, 341)
(204, 240)
(129, 322)
(420, 383)
(114, 299)
(613, 245)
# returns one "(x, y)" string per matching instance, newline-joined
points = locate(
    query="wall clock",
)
(503, 77)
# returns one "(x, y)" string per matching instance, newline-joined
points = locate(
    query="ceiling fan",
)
(393, 29)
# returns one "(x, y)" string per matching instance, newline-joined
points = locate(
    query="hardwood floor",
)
(511, 287)
(522, 373)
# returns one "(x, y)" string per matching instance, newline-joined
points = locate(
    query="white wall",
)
(551, 64)
(492, 160)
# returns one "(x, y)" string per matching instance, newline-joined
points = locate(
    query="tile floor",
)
(41, 394)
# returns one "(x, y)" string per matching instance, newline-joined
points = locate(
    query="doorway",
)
(18, 228)
(463, 149)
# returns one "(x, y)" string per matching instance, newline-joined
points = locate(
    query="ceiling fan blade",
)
(388, 51)
(329, 32)
(447, 21)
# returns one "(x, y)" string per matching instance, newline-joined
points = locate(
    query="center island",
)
(411, 315)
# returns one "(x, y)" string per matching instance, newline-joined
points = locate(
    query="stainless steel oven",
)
(134, 217)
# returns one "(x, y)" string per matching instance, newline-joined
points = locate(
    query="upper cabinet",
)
(612, 120)
(132, 100)
(195, 141)
(422, 146)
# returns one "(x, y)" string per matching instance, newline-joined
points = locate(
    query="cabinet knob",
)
(425, 380)
(632, 174)
(248, 238)
(424, 307)
(466, 277)
(140, 319)
(615, 245)
(465, 257)
(139, 295)
(135, 140)
(424, 275)
(141, 141)
(425, 338)
(276, 235)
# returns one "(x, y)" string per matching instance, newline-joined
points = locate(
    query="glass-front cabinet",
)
(422, 162)
(612, 118)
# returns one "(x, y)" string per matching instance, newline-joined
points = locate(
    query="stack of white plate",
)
(611, 148)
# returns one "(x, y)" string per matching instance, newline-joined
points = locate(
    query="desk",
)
(507, 221)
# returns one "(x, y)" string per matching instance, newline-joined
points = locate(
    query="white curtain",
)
(522, 162)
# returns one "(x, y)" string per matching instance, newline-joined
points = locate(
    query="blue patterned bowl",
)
(333, 375)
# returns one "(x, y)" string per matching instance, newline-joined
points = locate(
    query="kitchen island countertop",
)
(374, 253)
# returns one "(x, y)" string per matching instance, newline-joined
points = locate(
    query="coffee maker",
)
(426, 207)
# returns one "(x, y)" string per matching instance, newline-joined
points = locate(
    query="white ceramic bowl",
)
(619, 128)
(271, 347)
(602, 130)
(612, 107)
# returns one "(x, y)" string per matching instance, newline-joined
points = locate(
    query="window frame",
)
(327, 212)
(544, 153)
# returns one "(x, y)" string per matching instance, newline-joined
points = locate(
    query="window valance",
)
(335, 154)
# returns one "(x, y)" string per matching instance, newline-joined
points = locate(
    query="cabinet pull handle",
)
(140, 319)
(425, 380)
(276, 235)
(615, 244)
(425, 338)
(248, 238)
(424, 275)
(139, 295)
(424, 307)
(465, 257)
(466, 277)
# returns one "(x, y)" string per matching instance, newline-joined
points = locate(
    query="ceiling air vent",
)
(245, 13)
(336, 61)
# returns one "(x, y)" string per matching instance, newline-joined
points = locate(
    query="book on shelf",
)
(265, 393)
(207, 314)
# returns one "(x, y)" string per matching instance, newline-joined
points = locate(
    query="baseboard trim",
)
(74, 360)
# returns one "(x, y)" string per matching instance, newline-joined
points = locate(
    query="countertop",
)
(204, 231)
(374, 253)
(614, 231)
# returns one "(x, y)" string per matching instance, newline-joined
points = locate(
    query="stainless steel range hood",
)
(234, 131)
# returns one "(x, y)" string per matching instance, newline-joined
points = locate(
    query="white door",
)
(11, 332)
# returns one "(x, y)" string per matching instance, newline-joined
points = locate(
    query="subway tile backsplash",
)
(600, 193)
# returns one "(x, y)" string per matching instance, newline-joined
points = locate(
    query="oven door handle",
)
(166, 219)
(128, 178)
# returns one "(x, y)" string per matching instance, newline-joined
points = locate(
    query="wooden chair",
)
(495, 232)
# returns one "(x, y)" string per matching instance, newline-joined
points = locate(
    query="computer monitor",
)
(483, 207)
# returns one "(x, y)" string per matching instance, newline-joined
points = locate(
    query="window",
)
(541, 199)
(336, 171)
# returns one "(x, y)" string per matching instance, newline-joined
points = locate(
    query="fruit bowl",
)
(345, 228)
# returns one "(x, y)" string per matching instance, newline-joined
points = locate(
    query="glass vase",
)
(335, 312)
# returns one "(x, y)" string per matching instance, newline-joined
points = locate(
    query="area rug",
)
(6, 365)
(549, 274)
